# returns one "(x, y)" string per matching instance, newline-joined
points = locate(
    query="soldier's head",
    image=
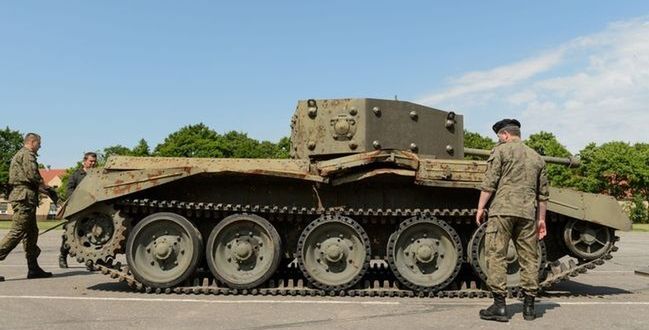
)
(89, 160)
(507, 130)
(32, 141)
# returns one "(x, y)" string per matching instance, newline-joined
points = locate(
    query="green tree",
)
(141, 149)
(477, 141)
(10, 142)
(192, 141)
(638, 212)
(283, 148)
(615, 168)
(546, 144)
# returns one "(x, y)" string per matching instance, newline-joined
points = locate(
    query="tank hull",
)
(402, 210)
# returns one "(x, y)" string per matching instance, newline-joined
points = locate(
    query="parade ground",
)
(611, 296)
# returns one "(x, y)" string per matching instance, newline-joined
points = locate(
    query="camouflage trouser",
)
(23, 227)
(65, 249)
(500, 229)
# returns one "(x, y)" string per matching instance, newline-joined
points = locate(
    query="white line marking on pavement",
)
(332, 302)
(324, 302)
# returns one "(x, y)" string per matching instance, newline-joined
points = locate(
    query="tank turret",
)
(324, 129)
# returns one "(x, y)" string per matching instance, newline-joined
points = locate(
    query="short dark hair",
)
(31, 136)
(511, 129)
(89, 154)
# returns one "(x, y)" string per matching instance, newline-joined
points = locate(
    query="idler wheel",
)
(476, 256)
(587, 240)
(425, 254)
(243, 251)
(163, 250)
(333, 252)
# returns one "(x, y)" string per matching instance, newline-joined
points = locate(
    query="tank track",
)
(378, 281)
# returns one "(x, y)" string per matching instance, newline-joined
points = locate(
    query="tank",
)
(376, 200)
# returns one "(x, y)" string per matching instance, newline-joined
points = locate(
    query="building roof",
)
(50, 174)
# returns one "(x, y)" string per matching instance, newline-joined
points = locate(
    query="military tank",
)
(376, 200)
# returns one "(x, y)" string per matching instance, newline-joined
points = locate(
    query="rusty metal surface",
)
(370, 174)
(458, 171)
(399, 158)
(100, 185)
(293, 168)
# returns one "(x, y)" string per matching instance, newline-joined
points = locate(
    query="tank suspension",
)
(378, 281)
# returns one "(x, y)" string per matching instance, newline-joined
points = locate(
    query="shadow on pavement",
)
(580, 289)
(112, 287)
(515, 309)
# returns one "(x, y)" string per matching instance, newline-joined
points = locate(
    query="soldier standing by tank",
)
(26, 183)
(89, 161)
(517, 180)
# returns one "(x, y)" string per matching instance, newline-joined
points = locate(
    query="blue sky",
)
(90, 74)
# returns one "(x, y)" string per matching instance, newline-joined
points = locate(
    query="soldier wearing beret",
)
(26, 184)
(517, 181)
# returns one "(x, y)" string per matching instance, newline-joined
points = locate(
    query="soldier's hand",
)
(542, 229)
(479, 215)
(53, 195)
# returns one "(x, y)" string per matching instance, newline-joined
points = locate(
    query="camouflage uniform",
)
(516, 173)
(25, 179)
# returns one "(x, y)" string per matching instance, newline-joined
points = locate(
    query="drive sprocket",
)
(97, 235)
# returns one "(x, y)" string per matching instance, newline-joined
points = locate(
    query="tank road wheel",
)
(587, 240)
(333, 252)
(96, 235)
(163, 250)
(425, 254)
(476, 257)
(243, 251)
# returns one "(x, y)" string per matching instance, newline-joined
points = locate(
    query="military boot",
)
(528, 308)
(497, 311)
(35, 271)
(63, 261)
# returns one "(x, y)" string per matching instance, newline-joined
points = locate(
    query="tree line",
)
(614, 168)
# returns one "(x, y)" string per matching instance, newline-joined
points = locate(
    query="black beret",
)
(505, 122)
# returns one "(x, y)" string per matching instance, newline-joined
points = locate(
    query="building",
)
(46, 209)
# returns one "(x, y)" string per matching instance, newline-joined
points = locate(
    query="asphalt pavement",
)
(611, 296)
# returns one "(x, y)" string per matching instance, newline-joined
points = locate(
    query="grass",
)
(642, 227)
(42, 225)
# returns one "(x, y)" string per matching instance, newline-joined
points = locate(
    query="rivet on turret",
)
(353, 111)
(311, 145)
(353, 145)
(449, 149)
(413, 147)
(313, 112)
(450, 119)
(376, 144)
(377, 111)
(414, 115)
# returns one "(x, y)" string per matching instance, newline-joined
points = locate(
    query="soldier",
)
(517, 179)
(89, 161)
(26, 183)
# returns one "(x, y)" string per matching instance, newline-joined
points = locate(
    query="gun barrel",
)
(568, 161)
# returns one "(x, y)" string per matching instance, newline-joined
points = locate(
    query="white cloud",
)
(591, 89)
